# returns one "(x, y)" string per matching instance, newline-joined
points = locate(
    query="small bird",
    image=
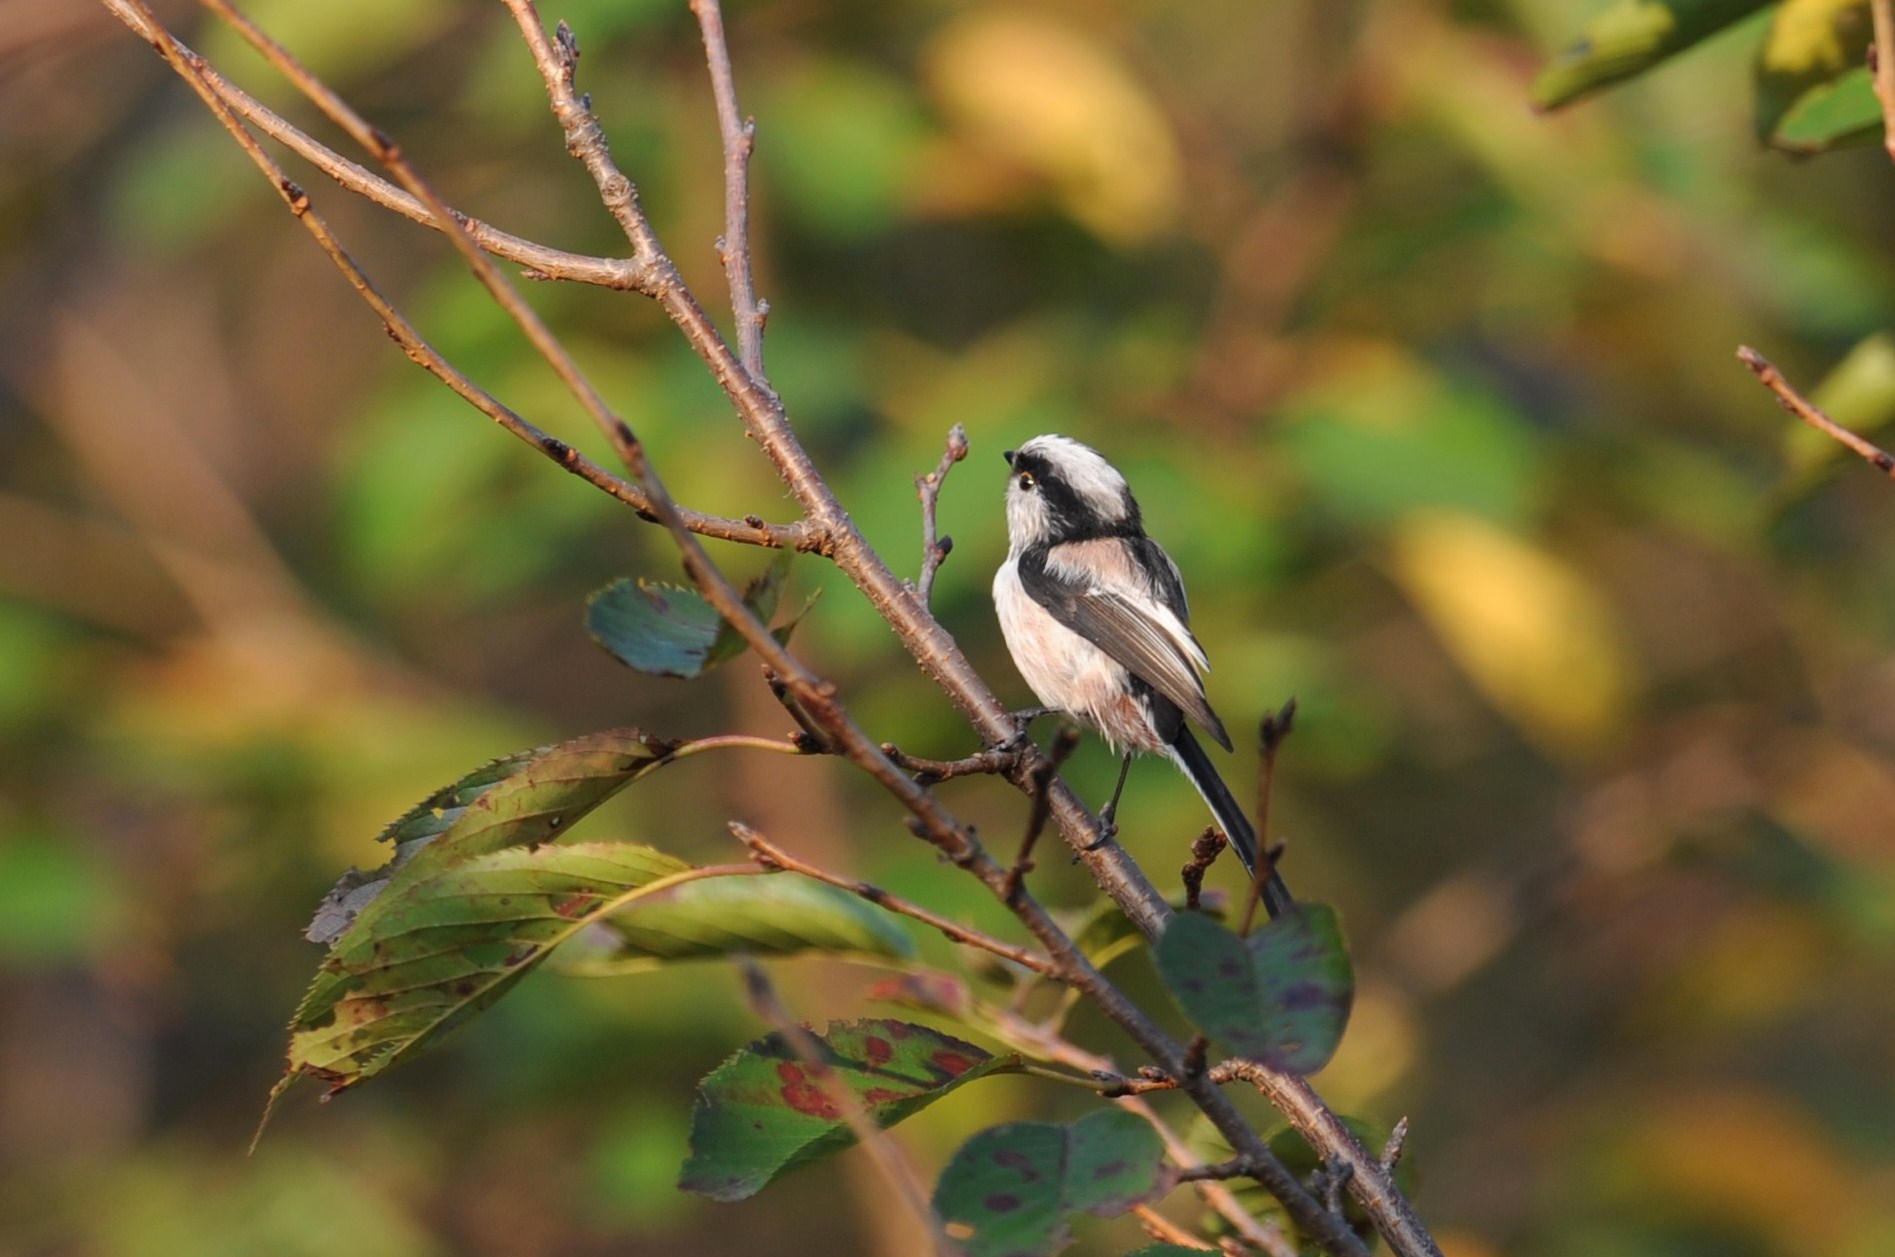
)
(1094, 615)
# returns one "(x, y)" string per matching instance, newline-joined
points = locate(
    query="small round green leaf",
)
(671, 631)
(1010, 1189)
(1282, 996)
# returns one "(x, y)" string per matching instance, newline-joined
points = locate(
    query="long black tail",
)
(1230, 815)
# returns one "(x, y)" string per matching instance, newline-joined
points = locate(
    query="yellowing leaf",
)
(1527, 629)
(1038, 94)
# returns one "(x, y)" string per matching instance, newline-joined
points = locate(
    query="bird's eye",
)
(1026, 480)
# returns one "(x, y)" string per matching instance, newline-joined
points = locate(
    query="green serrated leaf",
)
(671, 631)
(1167, 1250)
(446, 945)
(1010, 1189)
(1840, 112)
(532, 796)
(1810, 43)
(1281, 996)
(762, 1113)
(776, 915)
(1630, 38)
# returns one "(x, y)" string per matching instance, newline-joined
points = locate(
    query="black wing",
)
(1111, 591)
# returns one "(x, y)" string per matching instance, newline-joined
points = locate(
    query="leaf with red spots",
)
(671, 631)
(1281, 996)
(441, 947)
(1010, 1189)
(764, 1111)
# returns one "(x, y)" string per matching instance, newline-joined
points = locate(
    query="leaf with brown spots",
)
(1281, 996)
(1010, 1189)
(445, 945)
(765, 1111)
(532, 796)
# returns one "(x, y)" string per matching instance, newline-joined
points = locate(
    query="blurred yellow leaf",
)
(1752, 1162)
(1808, 35)
(1528, 630)
(1035, 93)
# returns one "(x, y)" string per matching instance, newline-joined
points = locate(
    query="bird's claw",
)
(1022, 722)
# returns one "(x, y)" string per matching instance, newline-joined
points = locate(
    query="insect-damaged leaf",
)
(533, 796)
(1282, 996)
(765, 1111)
(774, 915)
(443, 946)
(1629, 38)
(1010, 1189)
(672, 631)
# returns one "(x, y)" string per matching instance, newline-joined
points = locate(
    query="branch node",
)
(1203, 852)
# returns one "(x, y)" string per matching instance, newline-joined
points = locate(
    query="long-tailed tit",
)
(1094, 615)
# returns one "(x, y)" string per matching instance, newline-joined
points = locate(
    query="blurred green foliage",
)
(1432, 399)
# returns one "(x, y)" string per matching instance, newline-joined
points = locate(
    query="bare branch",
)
(991, 762)
(1270, 734)
(740, 140)
(1371, 1184)
(195, 72)
(1203, 851)
(1393, 1149)
(541, 261)
(874, 1140)
(1165, 1231)
(770, 855)
(1063, 746)
(1794, 402)
(934, 547)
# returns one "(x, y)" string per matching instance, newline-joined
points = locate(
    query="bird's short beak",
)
(1008, 455)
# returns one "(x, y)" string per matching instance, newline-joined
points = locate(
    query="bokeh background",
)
(1433, 400)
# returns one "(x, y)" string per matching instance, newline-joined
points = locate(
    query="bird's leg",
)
(1108, 828)
(1022, 721)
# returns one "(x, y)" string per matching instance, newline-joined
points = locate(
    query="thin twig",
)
(1372, 1185)
(811, 733)
(770, 855)
(874, 1140)
(541, 261)
(990, 762)
(1794, 402)
(740, 140)
(1165, 1231)
(1396, 1145)
(1270, 734)
(739, 741)
(1063, 746)
(1883, 14)
(198, 75)
(934, 547)
(1203, 852)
